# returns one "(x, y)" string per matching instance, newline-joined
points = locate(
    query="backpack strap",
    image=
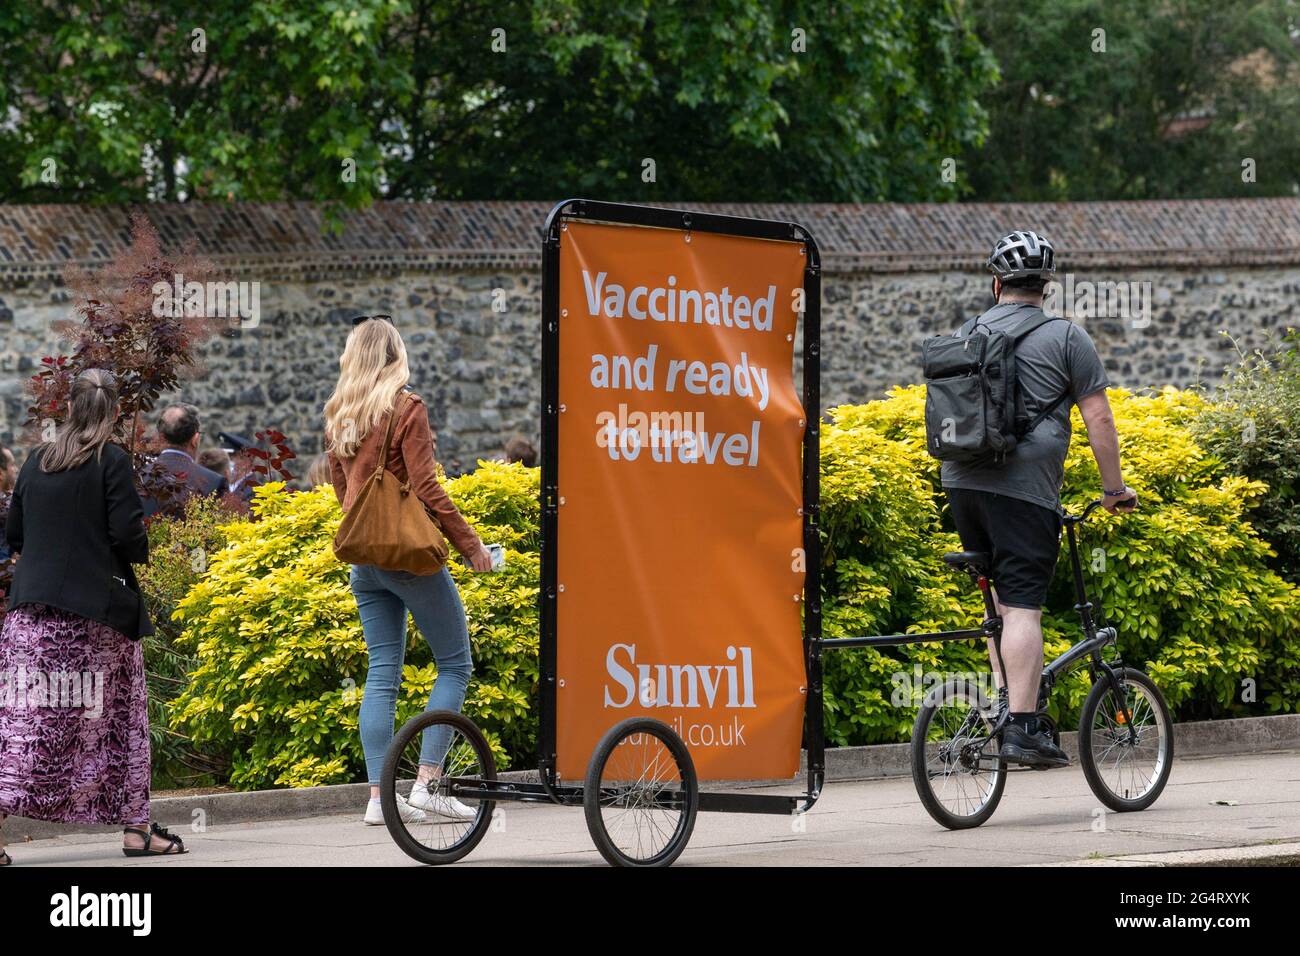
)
(1029, 325)
(1037, 420)
(1023, 329)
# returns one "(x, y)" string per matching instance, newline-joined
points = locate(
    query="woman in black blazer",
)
(74, 724)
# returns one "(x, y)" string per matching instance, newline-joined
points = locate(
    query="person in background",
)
(178, 426)
(319, 472)
(78, 525)
(373, 375)
(8, 470)
(216, 460)
(243, 478)
(8, 478)
(520, 449)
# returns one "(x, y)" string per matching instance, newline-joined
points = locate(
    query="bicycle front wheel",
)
(955, 764)
(1127, 771)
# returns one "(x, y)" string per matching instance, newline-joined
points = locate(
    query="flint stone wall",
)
(892, 275)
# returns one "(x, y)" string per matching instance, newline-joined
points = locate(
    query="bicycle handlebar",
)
(1093, 506)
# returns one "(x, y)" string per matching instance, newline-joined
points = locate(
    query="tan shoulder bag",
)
(387, 525)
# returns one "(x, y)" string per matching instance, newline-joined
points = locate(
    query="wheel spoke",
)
(640, 802)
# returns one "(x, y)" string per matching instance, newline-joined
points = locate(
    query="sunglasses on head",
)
(381, 317)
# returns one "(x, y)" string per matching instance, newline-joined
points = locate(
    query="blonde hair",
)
(372, 371)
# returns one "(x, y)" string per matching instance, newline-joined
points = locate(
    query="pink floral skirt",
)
(74, 722)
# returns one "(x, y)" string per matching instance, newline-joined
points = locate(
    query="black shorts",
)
(1023, 538)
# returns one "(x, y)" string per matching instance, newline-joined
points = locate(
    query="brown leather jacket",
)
(410, 457)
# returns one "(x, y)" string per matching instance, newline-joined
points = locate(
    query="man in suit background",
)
(178, 426)
(243, 478)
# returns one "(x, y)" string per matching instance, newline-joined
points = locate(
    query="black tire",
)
(966, 702)
(475, 762)
(602, 792)
(1126, 789)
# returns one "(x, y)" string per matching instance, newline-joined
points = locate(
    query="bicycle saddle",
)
(976, 559)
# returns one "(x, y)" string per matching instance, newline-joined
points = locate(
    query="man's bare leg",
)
(1022, 653)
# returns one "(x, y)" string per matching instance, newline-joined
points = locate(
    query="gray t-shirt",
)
(1056, 358)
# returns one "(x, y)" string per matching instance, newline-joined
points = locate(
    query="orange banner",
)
(679, 560)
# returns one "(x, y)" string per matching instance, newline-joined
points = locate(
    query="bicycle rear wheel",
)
(641, 794)
(959, 781)
(1126, 771)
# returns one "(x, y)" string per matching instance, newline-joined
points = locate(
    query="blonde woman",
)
(372, 379)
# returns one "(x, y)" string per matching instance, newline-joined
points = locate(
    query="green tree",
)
(123, 101)
(719, 98)
(1183, 93)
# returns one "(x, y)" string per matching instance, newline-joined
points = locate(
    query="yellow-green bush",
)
(282, 661)
(179, 549)
(881, 541)
(1185, 580)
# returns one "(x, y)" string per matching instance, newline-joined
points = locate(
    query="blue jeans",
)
(383, 598)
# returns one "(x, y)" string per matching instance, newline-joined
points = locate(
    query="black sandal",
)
(175, 845)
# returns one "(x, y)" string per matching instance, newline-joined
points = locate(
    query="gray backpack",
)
(973, 408)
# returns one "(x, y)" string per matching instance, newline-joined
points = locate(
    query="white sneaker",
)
(440, 805)
(375, 812)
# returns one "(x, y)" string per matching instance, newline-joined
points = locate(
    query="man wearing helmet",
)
(1012, 508)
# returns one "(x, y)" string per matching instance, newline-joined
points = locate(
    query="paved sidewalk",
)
(1044, 818)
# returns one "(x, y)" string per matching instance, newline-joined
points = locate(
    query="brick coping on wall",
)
(288, 239)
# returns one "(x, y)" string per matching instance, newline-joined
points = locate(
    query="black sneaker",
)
(1031, 750)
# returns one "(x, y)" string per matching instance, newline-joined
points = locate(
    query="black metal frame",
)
(549, 789)
(1090, 648)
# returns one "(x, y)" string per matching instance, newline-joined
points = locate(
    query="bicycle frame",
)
(1090, 648)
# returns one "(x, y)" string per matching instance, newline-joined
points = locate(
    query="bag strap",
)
(1029, 325)
(1023, 329)
(1038, 419)
(388, 435)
